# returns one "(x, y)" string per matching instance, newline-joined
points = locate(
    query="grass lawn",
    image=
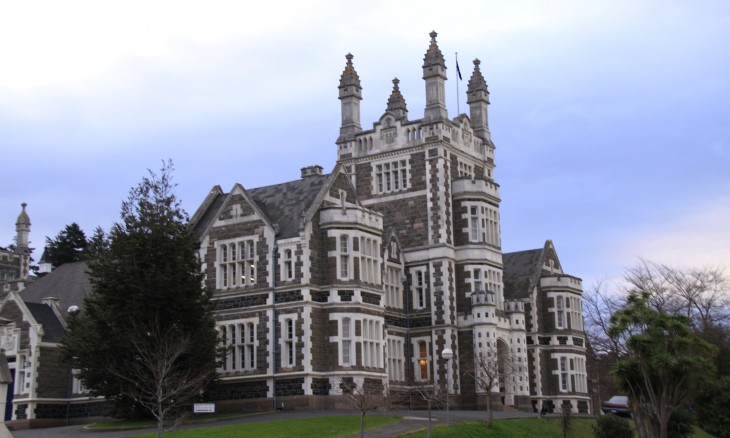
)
(518, 428)
(319, 427)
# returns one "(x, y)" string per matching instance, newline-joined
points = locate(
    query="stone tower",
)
(22, 242)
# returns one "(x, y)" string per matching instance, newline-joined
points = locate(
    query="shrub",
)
(611, 426)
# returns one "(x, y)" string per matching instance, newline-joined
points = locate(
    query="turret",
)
(397, 103)
(22, 232)
(434, 73)
(478, 98)
(350, 96)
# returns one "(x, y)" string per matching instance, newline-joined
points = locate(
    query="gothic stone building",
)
(15, 261)
(369, 273)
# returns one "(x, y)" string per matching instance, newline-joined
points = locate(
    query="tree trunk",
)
(490, 415)
(160, 428)
(429, 419)
(362, 425)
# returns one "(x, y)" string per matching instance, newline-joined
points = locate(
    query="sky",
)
(611, 118)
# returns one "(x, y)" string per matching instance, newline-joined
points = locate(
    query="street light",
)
(447, 354)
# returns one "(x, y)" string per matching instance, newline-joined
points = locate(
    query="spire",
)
(396, 102)
(433, 54)
(22, 231)
(434, 73)
(350, 97)
(477, 96)
(477, 82)
(349, 76)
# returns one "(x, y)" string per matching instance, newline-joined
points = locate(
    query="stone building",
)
(43, 391)
(15, 260)
(368, 273)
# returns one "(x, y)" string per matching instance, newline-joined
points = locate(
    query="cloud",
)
(699, 236)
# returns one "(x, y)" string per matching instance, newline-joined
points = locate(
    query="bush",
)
(712, 413)
(680, 424)
(611, 426)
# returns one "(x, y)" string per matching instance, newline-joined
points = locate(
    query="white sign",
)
(204, 408)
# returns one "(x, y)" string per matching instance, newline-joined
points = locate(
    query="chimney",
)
(315, 170)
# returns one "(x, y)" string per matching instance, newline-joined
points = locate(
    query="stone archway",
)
(504, 365)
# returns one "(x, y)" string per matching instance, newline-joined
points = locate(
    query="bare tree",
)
(368, 396)
(493, 368)
(599, 303)
(433, 395)
(701, 294)
(159, 378)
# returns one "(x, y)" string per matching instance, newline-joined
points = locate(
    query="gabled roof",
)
(284, 204)
(206, 214)
(53, 330)
(521, 271)
(69, 283)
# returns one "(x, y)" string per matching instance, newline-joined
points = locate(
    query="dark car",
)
(617, 405)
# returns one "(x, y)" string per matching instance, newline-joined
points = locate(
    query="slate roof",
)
(69, 283)
(209, 216)
(520, 268)
(284, 204)
(53, 331)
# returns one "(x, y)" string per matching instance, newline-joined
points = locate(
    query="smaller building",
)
(43, 391)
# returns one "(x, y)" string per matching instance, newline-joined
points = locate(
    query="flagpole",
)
(458, 79)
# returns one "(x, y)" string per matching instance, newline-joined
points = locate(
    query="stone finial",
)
(396, 101)
(349, 75)
(433, 54)
(23, 218)
(477, 82)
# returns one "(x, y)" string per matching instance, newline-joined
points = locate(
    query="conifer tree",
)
(67, 247)
(146, 286)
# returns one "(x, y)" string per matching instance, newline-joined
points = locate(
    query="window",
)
(346, 331)
(393, 286)
(486, 279)
(422, 358)
(236, 263)
(575, 313)
(288, 350)
(483, 223)
(392, 176)
(419, 289)
(344, 250)
(370, 260)
(395, 360)
(239, 342)
(572, 373)
(564, 374)
(466, 169)
(371, 343)
(559, 311)
(287, 271)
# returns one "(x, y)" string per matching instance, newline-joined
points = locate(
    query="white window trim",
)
(383, 181)
(577, 374)
(417, 358)
(288, 358)
(424, 287)
(242, 344)
(241, 265)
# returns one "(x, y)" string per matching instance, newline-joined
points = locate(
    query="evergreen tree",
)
(97, 245)
(664, 366)
(67, 247)
(147, 292)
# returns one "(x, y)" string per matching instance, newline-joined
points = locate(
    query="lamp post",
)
(447, 354)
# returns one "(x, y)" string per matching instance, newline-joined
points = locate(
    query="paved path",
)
(412, 421)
